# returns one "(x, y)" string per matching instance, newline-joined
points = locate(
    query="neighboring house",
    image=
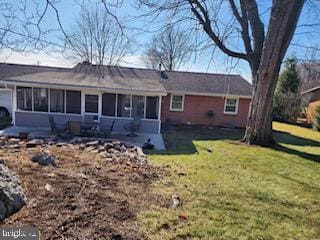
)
(312, 97)
(121, 94)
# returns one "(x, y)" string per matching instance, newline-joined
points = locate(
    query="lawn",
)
(233, 191)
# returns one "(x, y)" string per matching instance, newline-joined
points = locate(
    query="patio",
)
(139, 140)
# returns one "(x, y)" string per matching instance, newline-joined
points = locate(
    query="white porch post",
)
(83, 104)
(14, 104)
(99, 106)
(159, 114)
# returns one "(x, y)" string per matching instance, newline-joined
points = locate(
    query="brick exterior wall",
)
(197, 107)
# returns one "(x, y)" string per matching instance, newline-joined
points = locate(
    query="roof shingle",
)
(127, 79)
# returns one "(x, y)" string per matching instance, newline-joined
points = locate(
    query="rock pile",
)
(12, 198)
(115, 151)
(109, 149)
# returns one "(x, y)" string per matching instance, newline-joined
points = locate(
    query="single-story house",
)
(122, 93)
(312, 96)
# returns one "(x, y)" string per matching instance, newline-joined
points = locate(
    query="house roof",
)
(206, 84)
(309, 73)
(116, 78)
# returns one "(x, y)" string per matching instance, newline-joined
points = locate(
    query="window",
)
(24, 98)
(108, 104)
(124, 105)
(152, 105)
(231, 106)
(56, 101)
(73, 102)
(177, 103)
(40, 99)
(137, 107)
(91, 103)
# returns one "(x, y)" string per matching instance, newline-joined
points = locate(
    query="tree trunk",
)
(282, 24)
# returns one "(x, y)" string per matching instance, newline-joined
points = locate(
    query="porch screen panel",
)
(73, 102)
(56, 100)
(40, 99)
(137, 107)
(24, 98)
(91, 103)
(109, 104)
(152, 107)
(124, 105)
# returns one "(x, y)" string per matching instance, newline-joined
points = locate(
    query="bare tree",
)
(262, 45)
(20, 26)
(97, 38)
(171, 49)
(24, 28)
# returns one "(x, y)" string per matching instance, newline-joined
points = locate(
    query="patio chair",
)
(106, 129)
(57, 128)
(132, 127)
(88, 125)
(74, 128)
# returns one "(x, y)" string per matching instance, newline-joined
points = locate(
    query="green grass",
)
(233, 191)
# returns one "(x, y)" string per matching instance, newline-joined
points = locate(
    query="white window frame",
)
(225, 105)
(182, 105)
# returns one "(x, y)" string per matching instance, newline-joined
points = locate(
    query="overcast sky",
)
(69, 10)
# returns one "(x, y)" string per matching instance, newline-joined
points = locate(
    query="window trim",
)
(81, 103)
(182, 105)
(85, 104)
(48, 103)
(225, 105)
(115, 104)
(64, 100)
(16, 99)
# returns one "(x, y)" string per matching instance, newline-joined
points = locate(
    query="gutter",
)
(81, 87)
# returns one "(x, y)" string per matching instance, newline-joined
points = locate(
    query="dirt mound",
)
(84, 197)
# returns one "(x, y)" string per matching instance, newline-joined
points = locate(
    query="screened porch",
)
(32, 106)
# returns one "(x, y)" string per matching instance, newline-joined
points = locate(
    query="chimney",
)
(162, 73)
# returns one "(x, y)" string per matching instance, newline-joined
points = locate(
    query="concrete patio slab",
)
(33, 132)
(139, 140)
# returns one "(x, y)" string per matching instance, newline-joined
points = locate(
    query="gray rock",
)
(176, 201)
(93, 143)
(33, 143)
(82, 146)
(13, 141)
(50, 143)
(108, 145)
(141, 157)
(44, 159)
(90, 149)
(76, 140)
(61, 144)
(101, 149)
(12, 198)
(103, 154)
(123, 148)
(13, 146)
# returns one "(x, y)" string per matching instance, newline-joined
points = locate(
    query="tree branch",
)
(204, 20)
(243, 21)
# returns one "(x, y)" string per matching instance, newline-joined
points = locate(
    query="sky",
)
(69, 11)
